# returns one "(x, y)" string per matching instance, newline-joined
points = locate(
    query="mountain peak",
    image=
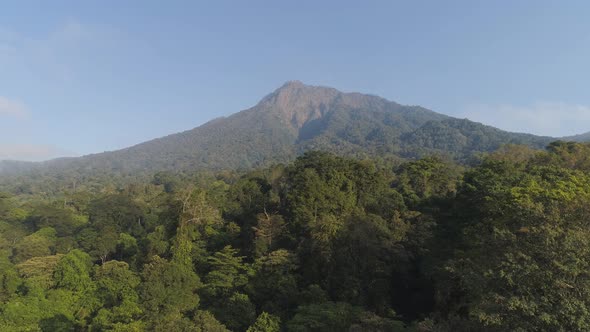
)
(296, 85)
(299, 89)
(297, 103)
(292, 84)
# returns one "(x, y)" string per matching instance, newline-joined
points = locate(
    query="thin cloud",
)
(11, 107)
(541, 118)
(56, 54)
(32, 152)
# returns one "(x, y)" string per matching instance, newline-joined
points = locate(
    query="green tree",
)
(237, 313)
(64, 221)
(74, 286)
(526, 238)
(321, 193)
(73, 272)
(197, 221)
(170, 182)
(9, 279)
(206, 322)
(39, 270)
(365, 254)
(40, 243)
(426, 178)
(168, 288)
(268, 233)
(274, 284)
(227, 273)
(324, 317)
(116, 289)
(118, 212)
(127, 248)
(266, 323)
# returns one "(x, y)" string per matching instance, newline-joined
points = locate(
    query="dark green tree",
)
(266, 323)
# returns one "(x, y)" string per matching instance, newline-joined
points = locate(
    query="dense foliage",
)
(322, 244)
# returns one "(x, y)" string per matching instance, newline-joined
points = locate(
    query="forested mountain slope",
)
(584, 137)
(293, 119)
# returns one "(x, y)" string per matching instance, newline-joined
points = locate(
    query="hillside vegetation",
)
(286, 123)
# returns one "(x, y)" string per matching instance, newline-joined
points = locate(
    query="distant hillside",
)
(585, 137)
(293, 119)
(12, 166)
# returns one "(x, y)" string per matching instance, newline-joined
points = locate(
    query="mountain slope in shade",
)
(296, 118)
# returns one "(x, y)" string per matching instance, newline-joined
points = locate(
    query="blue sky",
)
(81, 77)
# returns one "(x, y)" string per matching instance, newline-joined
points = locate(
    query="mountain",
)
(585, 137)
(293, 119)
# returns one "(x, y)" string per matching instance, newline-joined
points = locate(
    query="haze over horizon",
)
(83, 78)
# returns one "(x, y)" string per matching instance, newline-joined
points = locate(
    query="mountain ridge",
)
(291, 120)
